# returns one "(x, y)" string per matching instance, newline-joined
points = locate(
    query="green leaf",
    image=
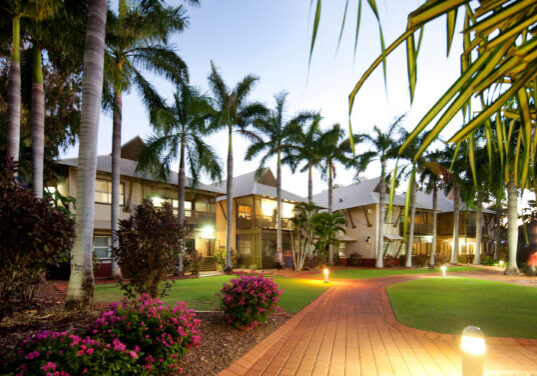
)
(342, 25)
(451, 21)
(316, 22)
(392, 190)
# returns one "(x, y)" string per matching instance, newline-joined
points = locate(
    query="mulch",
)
(221, 344)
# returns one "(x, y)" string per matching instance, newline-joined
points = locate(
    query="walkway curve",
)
(351, 330)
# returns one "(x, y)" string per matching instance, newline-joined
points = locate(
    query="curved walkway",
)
(351, 330)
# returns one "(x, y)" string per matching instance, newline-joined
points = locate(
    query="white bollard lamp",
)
(443, 268)
(473, 351)
(326, 272)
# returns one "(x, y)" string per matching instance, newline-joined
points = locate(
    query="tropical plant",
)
(232, 112)
(180, 130)
(384, 148)
(304, 229)
(305, 150)
(326, 227)
(137, 37)
(278, 142)
(80, 290)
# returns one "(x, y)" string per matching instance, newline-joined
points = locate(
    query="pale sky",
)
(271, 39)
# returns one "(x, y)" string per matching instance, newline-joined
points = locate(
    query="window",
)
(102, 247)
(244, 211)
(288, 210)
(205, 206)
(159, 202)
(103, 192)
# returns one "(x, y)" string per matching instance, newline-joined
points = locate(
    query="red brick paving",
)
(351, 330)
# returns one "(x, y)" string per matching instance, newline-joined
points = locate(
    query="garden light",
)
(473, 351)
(326, 272)
(501, 264)
(443, 268)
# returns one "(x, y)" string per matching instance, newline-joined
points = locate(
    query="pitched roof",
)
(444, 203)
(247, 184)
(128, 168)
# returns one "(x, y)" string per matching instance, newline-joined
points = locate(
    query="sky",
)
(271, 39)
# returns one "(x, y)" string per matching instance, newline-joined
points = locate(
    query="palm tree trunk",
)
(14, 96)
(310, 183)
(279, 205)
(181, 210)
(229, 197)
(497, 230)
(410, 242)
(382, 213)
(456, 224)
(116, 172)
(80, 290)
(330, 194)
(435, 230)
(478, 232)
(512, 225)
(38, 123)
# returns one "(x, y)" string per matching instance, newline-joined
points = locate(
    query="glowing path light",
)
(473, 351)
(443, 268)
(326, 272)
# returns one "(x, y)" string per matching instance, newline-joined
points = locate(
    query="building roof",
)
(354, 195)
(247, 184)
(128, 168)
(366, 193)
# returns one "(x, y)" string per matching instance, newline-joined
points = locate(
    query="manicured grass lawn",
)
(447, 305)
(359, 273)
(200, 293)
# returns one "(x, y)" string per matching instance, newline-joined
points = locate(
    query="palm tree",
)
(180, 130)
(332, 148)
(306, 150)
(136, 38)
(384, 147)
(280, 135)
(80, 290)
(327, 226)
(233, 112)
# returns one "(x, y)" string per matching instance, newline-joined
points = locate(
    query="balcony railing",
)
(198, 216)
(420, 228)
(266, 222)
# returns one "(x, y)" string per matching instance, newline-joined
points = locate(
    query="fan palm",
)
(137, 37)
(306, 150)
(232, 112)
(80, 290)
(278, 142)
(180, 130)
(332, 149)
(384, 148)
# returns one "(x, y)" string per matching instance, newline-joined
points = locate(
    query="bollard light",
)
(326, 272)
(501, 264)
(443, 268)
(473, 351)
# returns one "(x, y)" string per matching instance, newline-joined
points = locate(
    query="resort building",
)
(360, 205)
(200, 205)
(254, 220)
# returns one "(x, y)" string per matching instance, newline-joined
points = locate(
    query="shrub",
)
(192, 261)
(208, 263)
(148, 249)
(163, 334)
(35, 235)
(355, 259)
(220, 256)
(249, 300)
(389, 261)
(60, 353)
(487, 260)
(420, 260)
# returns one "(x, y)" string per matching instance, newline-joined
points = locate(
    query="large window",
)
(102, 247)
(159, 201)
(206, 206)
(103, 192)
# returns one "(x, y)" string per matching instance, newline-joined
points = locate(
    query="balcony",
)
(197, 217)
(419, 228)
(469, 230)
(264, 222)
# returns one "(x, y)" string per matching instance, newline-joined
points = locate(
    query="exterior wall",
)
(363, 231)
(221, 225)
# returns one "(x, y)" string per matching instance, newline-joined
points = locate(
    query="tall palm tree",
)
(384, 148)
(232, 112)
(137, 37)
(180, 130)
(333, 148)
(280, 135)
(306, 150)
(80, 290)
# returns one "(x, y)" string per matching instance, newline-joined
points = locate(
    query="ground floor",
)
(257, 249)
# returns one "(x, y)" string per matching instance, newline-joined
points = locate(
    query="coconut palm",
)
(180, 130)
(137, 38)
(327, 226)
(232, 112)
(332, 148)
(278, 141)
(80, 290)
(306, 150)
(384, 146)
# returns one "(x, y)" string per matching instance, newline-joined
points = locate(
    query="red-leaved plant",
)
(249, 299)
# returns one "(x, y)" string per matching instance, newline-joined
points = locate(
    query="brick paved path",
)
(351, 330)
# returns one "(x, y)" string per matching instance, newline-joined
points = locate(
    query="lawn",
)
(360, 273)
(201, 293)
(447, 305)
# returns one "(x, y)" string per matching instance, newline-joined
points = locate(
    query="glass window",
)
(268, 207)
(288, 210)
(103, 192)
(101, 247)
(244, 211)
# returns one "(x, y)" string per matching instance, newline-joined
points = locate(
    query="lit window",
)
(268, 207)
(103, 192)
(288, 210)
